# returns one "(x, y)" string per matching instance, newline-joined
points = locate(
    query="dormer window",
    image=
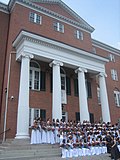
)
(58, 27)
(79, 34)
(35, 18)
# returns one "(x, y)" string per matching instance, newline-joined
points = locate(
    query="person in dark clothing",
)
(115, 154)
(108, 140)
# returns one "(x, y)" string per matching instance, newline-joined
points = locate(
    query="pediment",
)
(61, 8)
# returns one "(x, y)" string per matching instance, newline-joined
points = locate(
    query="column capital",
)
(27, 55)
(81, 70)
(102, 74)
(55, 62)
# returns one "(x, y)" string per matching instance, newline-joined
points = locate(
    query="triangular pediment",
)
(61, 8)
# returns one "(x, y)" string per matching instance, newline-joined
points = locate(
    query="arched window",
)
(34, 76)
(63, 79)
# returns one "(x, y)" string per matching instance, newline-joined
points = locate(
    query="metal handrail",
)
(5, 131)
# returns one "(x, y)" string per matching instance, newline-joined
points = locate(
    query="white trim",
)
(50, 49)
(35, 38)
(114, 75)
(105, 47)
(117, 98)
(4, 8)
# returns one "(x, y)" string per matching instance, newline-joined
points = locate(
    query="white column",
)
(56, 97)
(23, 102)
(104, 98)
(84, 114)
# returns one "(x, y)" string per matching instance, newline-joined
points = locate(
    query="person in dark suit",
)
(108, 141)
(115, 154)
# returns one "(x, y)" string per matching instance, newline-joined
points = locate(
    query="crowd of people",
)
(78, 139)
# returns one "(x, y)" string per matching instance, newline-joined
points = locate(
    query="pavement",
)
(95, 157)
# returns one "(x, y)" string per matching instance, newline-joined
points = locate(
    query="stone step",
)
(29, 150)
(29, 157)
(31, 153)
(28, 146)
(34, 158)
(23, 150)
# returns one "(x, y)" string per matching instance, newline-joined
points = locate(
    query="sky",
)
(102, 15)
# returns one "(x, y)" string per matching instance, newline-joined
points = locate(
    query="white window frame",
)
(35, 18)
(114, 75)
(112, 58)
(63, 83)
(32, 115)
(63, 87)
(117, 98)
(32, 78)
(94, 50)
(65, 116)
(59, 27)
(79, 34)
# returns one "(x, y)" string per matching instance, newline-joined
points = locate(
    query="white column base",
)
(22, 136)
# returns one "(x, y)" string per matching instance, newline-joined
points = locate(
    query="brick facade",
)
(19, 20)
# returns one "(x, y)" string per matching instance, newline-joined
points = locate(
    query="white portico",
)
(57, 54)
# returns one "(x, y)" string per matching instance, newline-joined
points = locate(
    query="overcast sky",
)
(103, 15)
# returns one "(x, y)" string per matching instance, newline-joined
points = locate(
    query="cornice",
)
(39, 8)
(4, 8)
(27, 36)
(105, 47)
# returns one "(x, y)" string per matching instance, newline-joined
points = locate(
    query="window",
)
(89, 90)
(114, 75)
(37, 77)
(34, 76)
(68, 85)
(98, 95)
(91, 118)
(35, 18)
(58, 27)
(112, 58)
(76, 87)
(79, 34)
(63, 86)
(65, 116)
(42, 81)
(117, 98)
(36, 113)
(63, 79)
(77, 115)
(94, 50)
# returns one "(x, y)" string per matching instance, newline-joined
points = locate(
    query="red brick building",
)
(51, 67)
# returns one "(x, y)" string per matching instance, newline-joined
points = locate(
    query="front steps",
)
(18, 150)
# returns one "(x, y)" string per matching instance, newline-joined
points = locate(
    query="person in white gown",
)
(48, 133)
(44, 133)
(34, 132)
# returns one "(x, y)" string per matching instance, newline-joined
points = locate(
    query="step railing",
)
(2, 133)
